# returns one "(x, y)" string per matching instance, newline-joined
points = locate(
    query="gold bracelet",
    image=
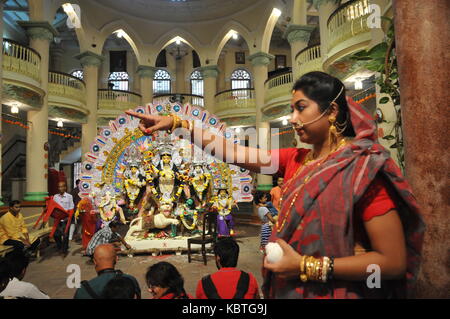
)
(325, 268)
(185, 124)
(176, 122)
(303, 276)
(309, 267)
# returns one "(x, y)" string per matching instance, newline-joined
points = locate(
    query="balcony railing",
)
(192, 99)
(309, 59)
(117, 100)
(21, 59)
(278, 87)
(66, 86)
(347, 21)
(235, 99)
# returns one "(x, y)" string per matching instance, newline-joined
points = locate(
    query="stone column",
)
(146, 74)
(298, 32)
(421, 34)
(298, 37)
(40, 34)
(1, 90)
(325, 10)
(91, 63)
(180, 76)
(209, 74)
(56, 54)
(260, 62)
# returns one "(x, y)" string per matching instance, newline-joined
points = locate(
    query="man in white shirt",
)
(65, 200)
(18, 264)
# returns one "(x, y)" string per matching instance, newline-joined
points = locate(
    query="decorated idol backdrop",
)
(164, 182)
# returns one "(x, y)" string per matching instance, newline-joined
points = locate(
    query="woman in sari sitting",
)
(345, 207)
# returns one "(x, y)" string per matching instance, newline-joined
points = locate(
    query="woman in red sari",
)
(88, 221)
(345, 204)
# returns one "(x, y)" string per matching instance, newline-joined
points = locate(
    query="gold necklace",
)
(305, 163)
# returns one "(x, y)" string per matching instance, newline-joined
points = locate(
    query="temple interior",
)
(69, 71)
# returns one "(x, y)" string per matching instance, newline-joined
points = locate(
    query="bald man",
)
(105, 259)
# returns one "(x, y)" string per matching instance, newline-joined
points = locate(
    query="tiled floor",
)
(49, 272)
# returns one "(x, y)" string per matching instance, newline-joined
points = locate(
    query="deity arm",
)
(102, 214)
(122, 216)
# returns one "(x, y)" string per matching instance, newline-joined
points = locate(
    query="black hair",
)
(120, 287)
(13, 202)
(114, 223)
(5, 272)
(77, 182)
(18, 262)
(166, 275)
(323, 88)
(259, 195)
(228, 251)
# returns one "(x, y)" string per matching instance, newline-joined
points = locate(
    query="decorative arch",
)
(226, 33)
(129, 35)
(268, 31)
(171, 36)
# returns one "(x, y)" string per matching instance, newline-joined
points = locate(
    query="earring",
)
(332, 131)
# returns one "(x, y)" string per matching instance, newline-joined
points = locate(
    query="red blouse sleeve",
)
(284, 156)
(376, 201)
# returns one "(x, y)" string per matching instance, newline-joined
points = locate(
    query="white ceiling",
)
(179, 11)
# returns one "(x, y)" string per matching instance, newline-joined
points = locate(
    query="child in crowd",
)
(261, 199)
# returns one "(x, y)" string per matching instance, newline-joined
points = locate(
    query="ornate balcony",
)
(21, 75)
(66, 97)
(114, 102)
(348, 30)
(236, 106)
(192, 99)
(278, 88)
(278, 95)
(309, 59)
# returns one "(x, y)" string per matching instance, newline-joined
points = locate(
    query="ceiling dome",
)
(179, 10)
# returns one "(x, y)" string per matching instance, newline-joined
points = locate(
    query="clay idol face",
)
(166, 159)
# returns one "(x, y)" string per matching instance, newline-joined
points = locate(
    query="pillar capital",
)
(209, 71)
(298, 33)
(39, 29)
(146, 71)
(88, 58)
(261, 58)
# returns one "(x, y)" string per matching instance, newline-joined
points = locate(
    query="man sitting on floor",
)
(105, 259)
(13, 231)
(106, 235)
(18, 264)
(229, 282)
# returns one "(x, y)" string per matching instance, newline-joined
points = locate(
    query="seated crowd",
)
(163, 279)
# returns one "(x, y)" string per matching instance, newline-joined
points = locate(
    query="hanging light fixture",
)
(60, 123)
(285, 122)
(237, 130)
(14, 109)
(120, 33)
(235, 36)
(178, 41)
(358, 84)
(276, 12)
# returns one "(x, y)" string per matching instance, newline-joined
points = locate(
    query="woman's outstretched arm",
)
(251, 158)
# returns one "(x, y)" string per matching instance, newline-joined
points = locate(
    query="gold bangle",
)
(176, 122)
(309, 265)
(325, 269)
(303, 276)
